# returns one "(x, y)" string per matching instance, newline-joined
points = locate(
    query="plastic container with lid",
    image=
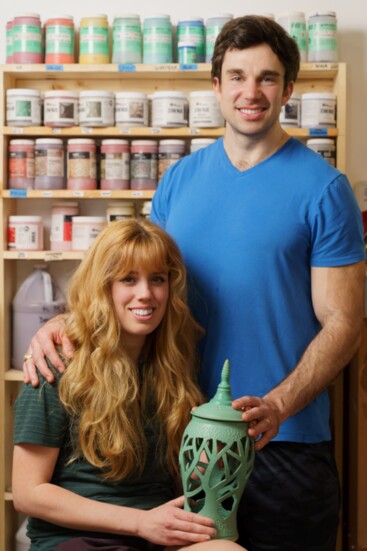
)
(214, 24)
(38, 299)
(61, 220)
(199, 143)
(94, 39)
(61, 108)
(144, 164)
(325, 147)
(204, 110)
(115, 164)
(84, 230)
(186, 52)
(157, 39)
(23, 107)
(192, 29)
(294, 22)
(290, 113)
(96, 108)
(25, 233)
(169, 109)
(318, 110)
(322, 36)
(59, 39)
(9, 41)
(131, 109)
(127, 41)
(27, 38)
(120, 211)
(81, 164)
(146, 209)
(21, 164)
(169, 152)
(49, 164)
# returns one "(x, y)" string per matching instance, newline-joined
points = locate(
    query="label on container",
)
(61, 111)
(131, 111)
(205, 112)
(27, 39)
(144, 165)
(96, 111)
(84, 233)
(126, 39)
(212, 32)
(49, 163)
(321, 37)
(81, 165)
(193, 34)
(23, 111)
(169, 112)
(21, 164)
(318, 112)
(157, 44)
(297, 30)
(24, 236)
(93, 40)
(165, 161)
(61, 227)
(115, 166)
(59, 39)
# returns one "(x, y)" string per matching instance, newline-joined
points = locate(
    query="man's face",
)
(252, 91)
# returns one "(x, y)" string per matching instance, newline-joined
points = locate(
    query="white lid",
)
(27, 14)
(296, 14)
(115, 142)
(70, 17)
(186, 44)
(320, 141)
(95, 16)
(319, 95)
(131, 95)
(96, 219)
(26, 218)
(81, 141)
(41, 141)
(22, 92)
(191, 20)
(144, 142)
(202, 93)
(61, 93)
(157, 16)
(169, 94)
(98, 93)
(21, 142)
(323, 13)
(127, 16)
(172, 142)
(228, 16)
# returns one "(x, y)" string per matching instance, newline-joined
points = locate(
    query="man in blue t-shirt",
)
(272, 238)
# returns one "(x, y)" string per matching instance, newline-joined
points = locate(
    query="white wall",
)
(352, 42)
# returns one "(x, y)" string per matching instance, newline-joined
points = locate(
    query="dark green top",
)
(40, 419)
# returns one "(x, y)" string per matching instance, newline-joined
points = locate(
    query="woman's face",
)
(140, 299)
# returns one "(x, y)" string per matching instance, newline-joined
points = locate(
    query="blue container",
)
(193, 30)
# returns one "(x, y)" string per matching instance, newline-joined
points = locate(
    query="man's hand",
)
(262, 416)
(43, 344)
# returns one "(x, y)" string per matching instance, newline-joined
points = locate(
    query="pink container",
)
(81, 164)
(144, 164)
(115, 164)
(21, 164)
(27, 39)
(49, 164)
(61, 225)
(59, 39)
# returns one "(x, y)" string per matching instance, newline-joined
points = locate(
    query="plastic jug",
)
(37, 300)
(22, 541)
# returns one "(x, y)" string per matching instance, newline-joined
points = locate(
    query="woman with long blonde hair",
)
(95, 456)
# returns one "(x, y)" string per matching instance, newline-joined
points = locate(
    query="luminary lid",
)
(220, 406)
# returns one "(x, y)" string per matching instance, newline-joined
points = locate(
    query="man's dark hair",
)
(253, 30)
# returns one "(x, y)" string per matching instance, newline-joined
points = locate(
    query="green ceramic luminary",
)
(216, 459)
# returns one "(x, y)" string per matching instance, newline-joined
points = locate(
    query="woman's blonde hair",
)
(107, 395)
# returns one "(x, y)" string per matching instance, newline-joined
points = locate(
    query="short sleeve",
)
(337, 232)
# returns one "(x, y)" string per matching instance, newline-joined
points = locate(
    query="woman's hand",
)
(169, 524)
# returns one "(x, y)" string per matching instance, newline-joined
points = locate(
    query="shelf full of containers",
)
(87, 131)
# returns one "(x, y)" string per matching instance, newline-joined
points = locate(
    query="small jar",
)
(127, 39)
(318, 110)
(115, 164)
(25, 233)
(21, 164)
(61, 221)
(186, 53)
(214, 24)
(84, 230)
(81, 164)
(322, 37)
(23, 107)
(192, 29)
(9, 42)
(157, 39)
(294, 22)
(199, 143)
(325, 147)
(169, 152)
(131, 109)
(120, 211)
(204, 110)
(169, 109)
(96, 108)
(144, 164)
(94, 40)
(59, 39)
(146, 209)
(290, 113)
(49, 164)
(27, 38)
(61, 108)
